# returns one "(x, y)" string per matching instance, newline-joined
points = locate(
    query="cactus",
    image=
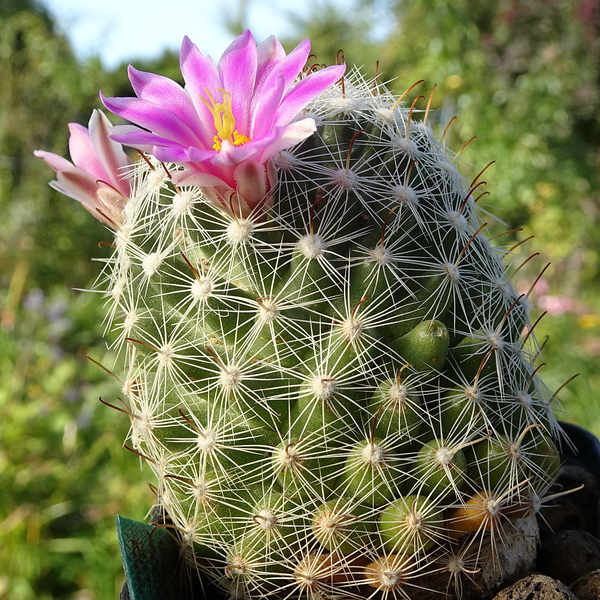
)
(327, 366)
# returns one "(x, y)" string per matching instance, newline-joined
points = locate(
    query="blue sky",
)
(120, 30)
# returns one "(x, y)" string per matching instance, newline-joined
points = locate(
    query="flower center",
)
(224, 120)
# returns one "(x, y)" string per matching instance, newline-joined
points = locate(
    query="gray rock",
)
(569, 555)
(536, 587)
(566, 515)
(576, 510)
(587, 587)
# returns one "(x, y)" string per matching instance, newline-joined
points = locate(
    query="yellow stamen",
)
(224, 120)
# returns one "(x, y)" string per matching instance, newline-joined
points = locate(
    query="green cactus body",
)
(295, 373)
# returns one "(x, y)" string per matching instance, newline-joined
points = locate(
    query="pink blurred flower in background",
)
(554, 304)
(557, 305)
(95, 177)
(230, 119)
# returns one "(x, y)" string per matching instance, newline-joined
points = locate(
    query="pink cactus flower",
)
(230, 119)
(95, 177)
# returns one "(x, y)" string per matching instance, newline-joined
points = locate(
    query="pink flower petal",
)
(190, 177)
(54, 161)
(289, 66)
(82, 151)
(268, 54)
(132, 136)
(79, 185)
(200, 73)
(153, 117)
(182, 154)
(306, 90)
(237, 70)
(233, 155)
(293, 134)
(166, 93)
(110, 153)
(265, 110)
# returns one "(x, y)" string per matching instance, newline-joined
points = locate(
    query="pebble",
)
(587, 587)
(536, 587)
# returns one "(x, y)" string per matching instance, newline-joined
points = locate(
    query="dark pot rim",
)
(582, 448)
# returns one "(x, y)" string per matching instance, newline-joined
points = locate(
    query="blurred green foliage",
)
(43, 88)
(63, 472)
(522, 76)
